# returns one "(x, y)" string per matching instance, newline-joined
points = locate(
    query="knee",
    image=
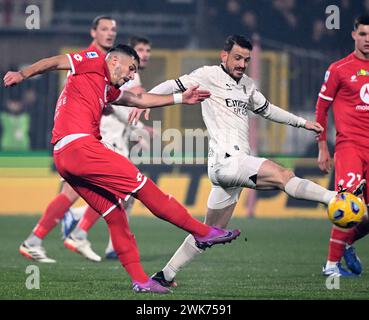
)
(69, 192)
(284, 176)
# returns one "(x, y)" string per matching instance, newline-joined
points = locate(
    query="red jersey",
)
(86, 93)
(346, 85)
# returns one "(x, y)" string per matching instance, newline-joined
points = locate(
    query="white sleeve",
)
(262, 107)
(181, 84)
(276, 114)
(198, 77)
(122, 113)
(166, 87)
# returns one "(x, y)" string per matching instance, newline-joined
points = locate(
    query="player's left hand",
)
(135, 114)
(192, 95)
(12, 78)
(314, 126)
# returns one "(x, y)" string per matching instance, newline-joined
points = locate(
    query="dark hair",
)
(125, 49)
(135, 40)
(96, 20)
(242, 41)
(363, 19)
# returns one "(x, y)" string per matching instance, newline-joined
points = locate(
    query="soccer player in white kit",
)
(230, 165)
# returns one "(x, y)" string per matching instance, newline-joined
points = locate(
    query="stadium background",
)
(289, 61)
(293, 49)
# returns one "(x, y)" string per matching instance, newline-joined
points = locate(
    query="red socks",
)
(167, 208)
(51, 217)
(88, 219)
(124, 244)
(360, 231)
(337, 243)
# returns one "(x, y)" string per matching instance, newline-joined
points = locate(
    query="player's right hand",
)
(12, 78)
(324, 158)
(314, 126)
(135, 114)
(193, 95)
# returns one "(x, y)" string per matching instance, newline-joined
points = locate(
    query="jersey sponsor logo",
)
(326, 77)
(324, 88)
(353, 78)
(239, 107)
(91, 55)
(362, 72)
(364, 93)
(77, 57)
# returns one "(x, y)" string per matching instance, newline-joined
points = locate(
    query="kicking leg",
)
(221, 204)
(274, 176)
(109, 250)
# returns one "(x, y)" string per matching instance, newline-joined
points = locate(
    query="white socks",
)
(79, 234)
(185, 253)
(330, 264)
(308, 190)
(33, 240)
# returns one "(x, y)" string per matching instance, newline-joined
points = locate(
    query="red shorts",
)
(351, 165)
(98, 174)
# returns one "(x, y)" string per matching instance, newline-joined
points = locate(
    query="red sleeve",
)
(321, 116)
(86, 62)
(327, 95)
(113, 94)
(331, 84)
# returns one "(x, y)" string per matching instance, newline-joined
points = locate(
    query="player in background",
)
(230, 165)
(99, 175)
(116, 131)
(346, 89)
(103, 32)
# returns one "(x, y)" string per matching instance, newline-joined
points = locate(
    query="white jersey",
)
(114, 127)
(226, 112)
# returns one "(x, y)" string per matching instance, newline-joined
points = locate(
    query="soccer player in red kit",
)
(99, 175)
(346, 87)
(103, 32)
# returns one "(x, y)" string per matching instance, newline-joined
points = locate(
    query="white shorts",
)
(220, 198)
(229, 174)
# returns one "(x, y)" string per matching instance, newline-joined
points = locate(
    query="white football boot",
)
(81, 246)
(36, 253)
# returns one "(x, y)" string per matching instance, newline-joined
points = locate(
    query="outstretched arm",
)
(148, 100)
(60, 62)
(166, 87)
(277, 114)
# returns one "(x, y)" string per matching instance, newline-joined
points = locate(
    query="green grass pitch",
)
(281, 259)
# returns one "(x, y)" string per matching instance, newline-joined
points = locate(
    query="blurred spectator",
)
(31, 105)
(15, 125)
(284, 25)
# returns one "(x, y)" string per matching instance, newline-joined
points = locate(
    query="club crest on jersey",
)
(362, 72)
(91, 55)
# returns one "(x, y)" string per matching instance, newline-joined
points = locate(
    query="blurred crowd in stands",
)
(26, 116)
(290, 22)
(293, 22)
